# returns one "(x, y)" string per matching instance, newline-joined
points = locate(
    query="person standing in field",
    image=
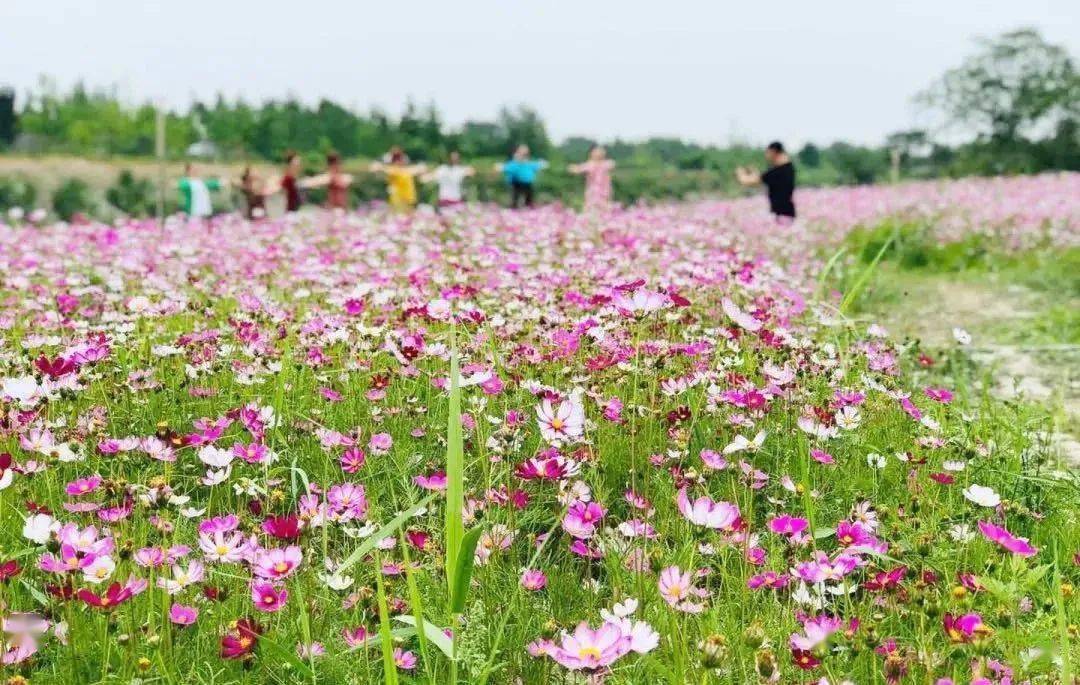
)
(597, 170)
(779, 182)
(291, 184)
(400, 179)
(450, 177)
(337, 183)
(195, 193)
(520, 173)
(251, 187)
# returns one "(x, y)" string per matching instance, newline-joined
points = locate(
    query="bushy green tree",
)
(131, 195)
(16, 192)
(71, 198)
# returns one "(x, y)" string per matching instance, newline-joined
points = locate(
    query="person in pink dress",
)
(597, 172)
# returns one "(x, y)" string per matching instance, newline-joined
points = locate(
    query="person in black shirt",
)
(779, 181)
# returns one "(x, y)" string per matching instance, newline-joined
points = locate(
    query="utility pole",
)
(894, 155)
(160, 150)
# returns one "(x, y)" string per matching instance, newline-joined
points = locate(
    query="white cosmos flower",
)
(336, 581)
(982, 495)
(961, 533)
(23, 390)
(961, 336)
(741, 443)
(565, 422)
(215, 457)
(100, 570)
(39, 528)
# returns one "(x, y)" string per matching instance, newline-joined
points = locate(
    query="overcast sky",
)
(708, 71)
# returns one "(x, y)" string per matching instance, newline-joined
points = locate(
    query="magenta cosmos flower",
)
(266, 597)
(1019, 546)
(276, 564)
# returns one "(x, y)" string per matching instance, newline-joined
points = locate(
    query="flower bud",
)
(714, 651)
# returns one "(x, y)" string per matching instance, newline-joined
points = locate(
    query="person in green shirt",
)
(195, 193)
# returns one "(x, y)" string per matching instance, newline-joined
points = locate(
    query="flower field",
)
(537, 447)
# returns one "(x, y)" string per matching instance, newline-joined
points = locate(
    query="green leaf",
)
(38, 595)
(433, 633)
(369, 544)
(466, 560)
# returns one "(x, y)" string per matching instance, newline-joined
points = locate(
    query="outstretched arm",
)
(314, 181)
(747, 177)
(576, 168)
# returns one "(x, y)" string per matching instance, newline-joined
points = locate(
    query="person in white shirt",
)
(450, 178)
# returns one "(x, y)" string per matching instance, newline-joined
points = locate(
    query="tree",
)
(7, 117)
(1017, 84)
(810, 156)
(523, 125)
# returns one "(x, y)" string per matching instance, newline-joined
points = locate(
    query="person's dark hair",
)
(246, 176)
(397, 157)
(776, 146)
(333, 158)
(290, 155)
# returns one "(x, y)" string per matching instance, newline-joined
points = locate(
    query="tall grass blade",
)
(454, 528)
(386, 634)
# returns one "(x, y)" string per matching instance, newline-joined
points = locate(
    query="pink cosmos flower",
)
(533, 580)
(380, 443)
(966, 628)
(183, 615)
(939, 395)
(83, 486)
(582, 518)
(277, 564)
(998, 534)
(352, 459)
(705, 512)
(354, 637)
(436, 481)
(788, 525)
(677, 587)
(404, 660)
(816, 630)
(591, 649)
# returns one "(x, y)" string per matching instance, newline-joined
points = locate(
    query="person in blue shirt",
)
(520, 173)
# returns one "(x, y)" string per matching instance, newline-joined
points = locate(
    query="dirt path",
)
(929, 308)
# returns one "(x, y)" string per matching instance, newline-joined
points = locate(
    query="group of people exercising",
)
(520, 173)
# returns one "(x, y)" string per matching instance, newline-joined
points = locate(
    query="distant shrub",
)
(16, 192)
(71, 198)
(132, 196)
